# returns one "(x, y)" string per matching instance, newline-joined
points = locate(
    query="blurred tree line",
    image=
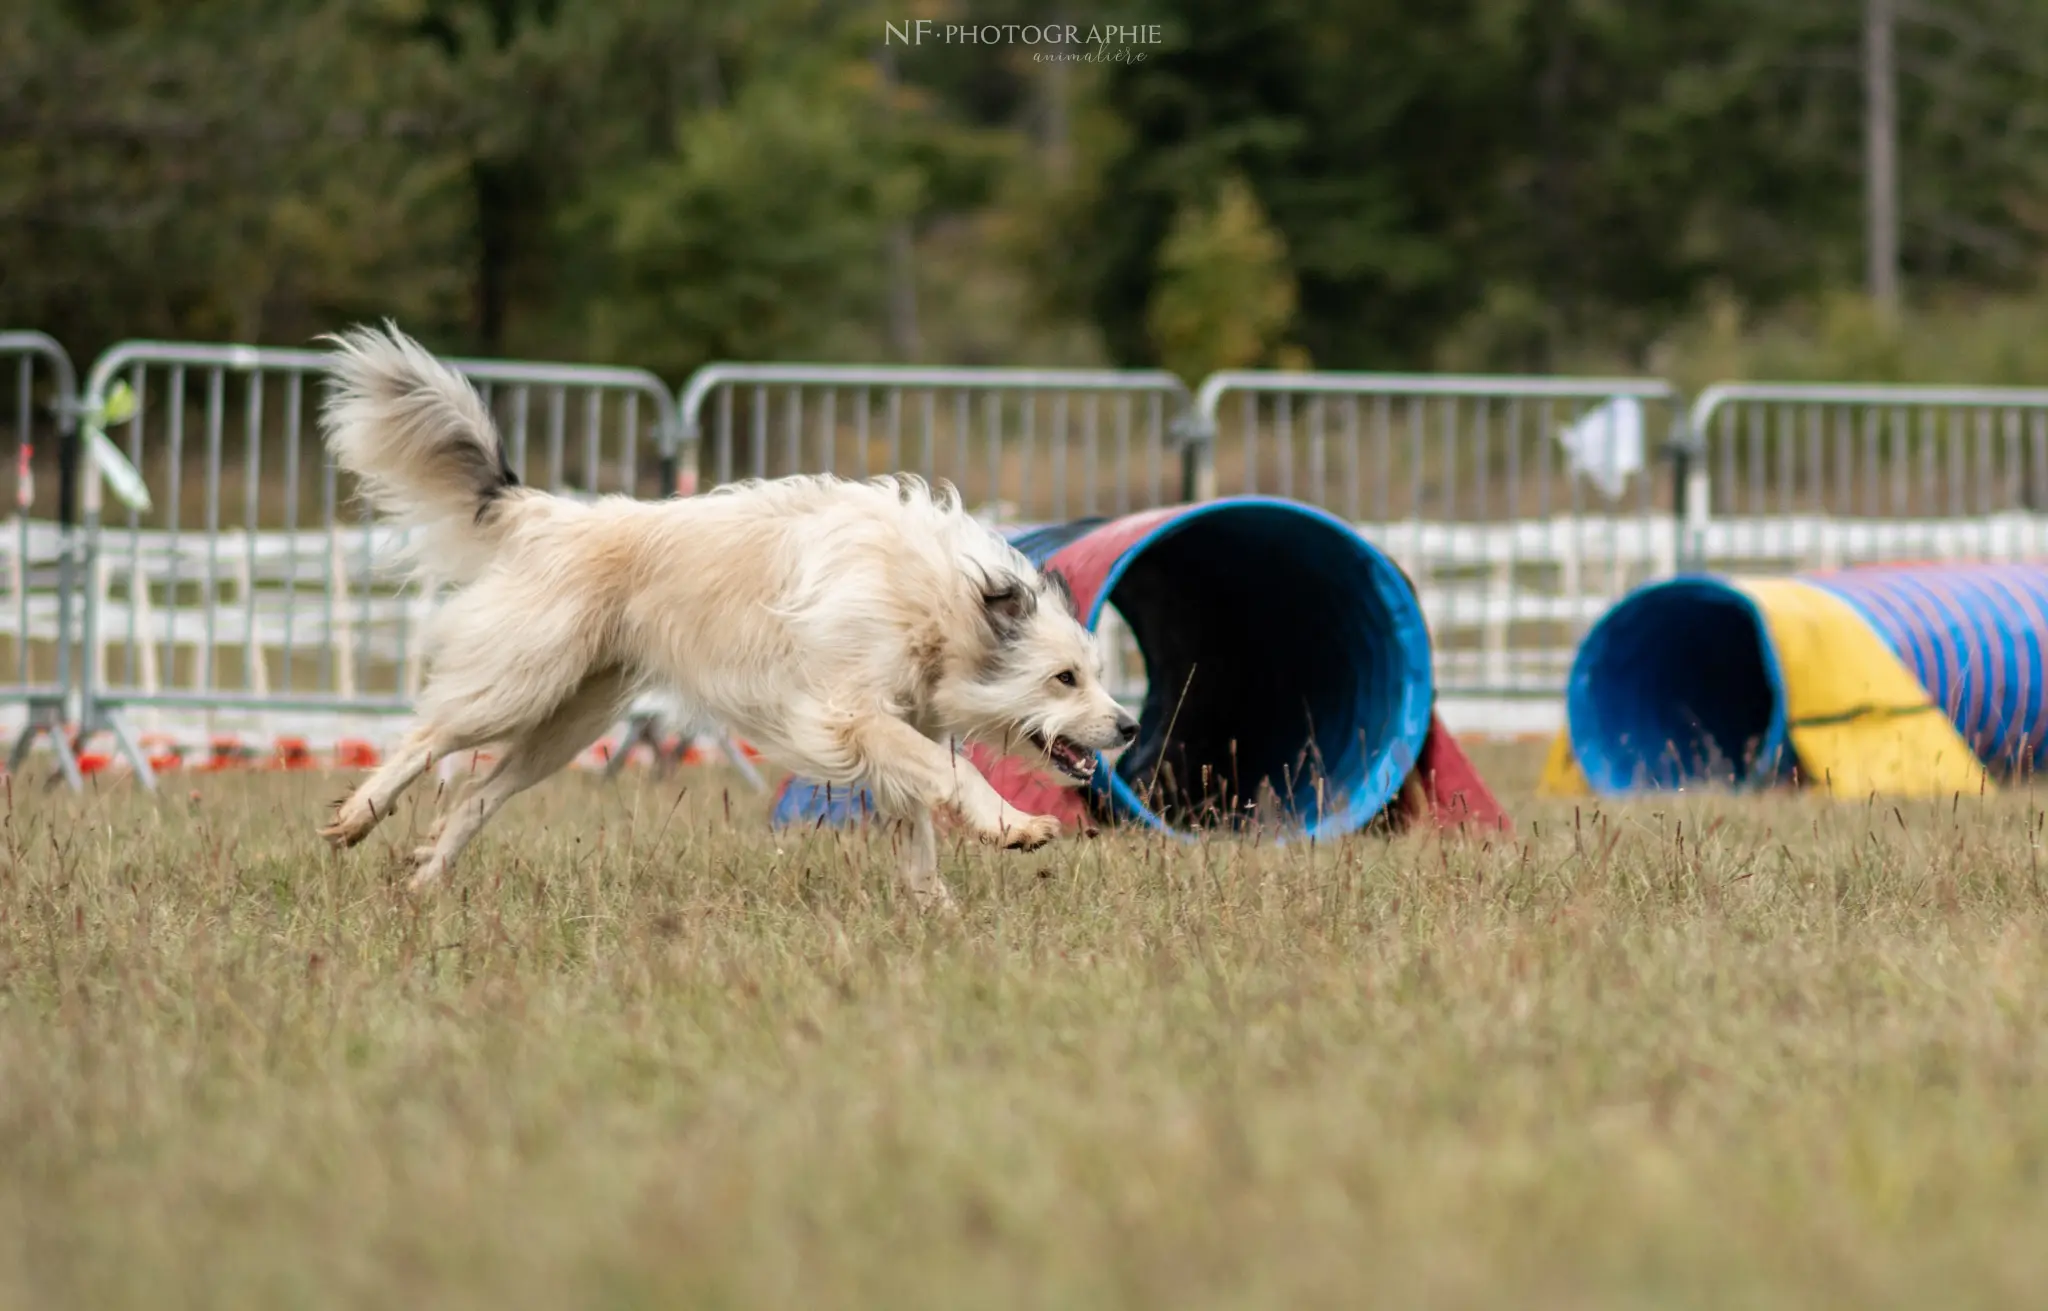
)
(1519, 184)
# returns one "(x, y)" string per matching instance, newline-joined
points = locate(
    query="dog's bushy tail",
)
(422, 444)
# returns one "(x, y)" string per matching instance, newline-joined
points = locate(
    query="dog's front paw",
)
(1028, 832)
(351, 823)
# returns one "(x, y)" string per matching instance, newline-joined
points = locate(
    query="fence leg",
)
(92, 715)
(48, 719)
(125, 744)
(67, 759)
(740, 762)
(1197, 440)
(639, 728)
(23, 741)
(96, 604)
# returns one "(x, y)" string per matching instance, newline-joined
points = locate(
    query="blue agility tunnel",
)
(1677, 684)
(1864, 674)
(1280, 649)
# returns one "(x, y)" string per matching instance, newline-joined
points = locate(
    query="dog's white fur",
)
(854, 631)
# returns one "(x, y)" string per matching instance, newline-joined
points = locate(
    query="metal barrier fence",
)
(255, 581)
(1021, 445)
(39, 408)
(1791, 477)
(1520, 507)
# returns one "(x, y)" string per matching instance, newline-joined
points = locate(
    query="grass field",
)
(1698, 1053)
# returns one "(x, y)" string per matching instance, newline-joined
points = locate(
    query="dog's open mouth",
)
(1070, 758)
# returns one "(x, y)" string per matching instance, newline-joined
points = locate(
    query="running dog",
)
(857, 632)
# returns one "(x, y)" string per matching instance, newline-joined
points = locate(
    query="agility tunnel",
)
(1901, 680)
(1285, 658)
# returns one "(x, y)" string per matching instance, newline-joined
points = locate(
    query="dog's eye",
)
(1065, 678)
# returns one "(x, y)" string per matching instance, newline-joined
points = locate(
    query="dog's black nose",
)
(1126, 727)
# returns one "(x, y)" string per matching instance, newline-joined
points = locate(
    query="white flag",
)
(1606, 444)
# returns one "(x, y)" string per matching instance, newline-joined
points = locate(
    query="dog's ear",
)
(1061, 591)
(1007, 603)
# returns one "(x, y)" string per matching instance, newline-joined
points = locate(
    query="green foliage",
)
(218, 170)
(1224, 294)
(1987, 340)
(1485, 184)
(762, 234)
(1514, 179)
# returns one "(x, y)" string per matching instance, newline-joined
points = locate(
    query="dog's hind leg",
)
(376, 795)
(490, 683)
(528, 758)
(442, 732)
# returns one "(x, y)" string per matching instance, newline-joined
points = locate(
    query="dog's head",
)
(1036, 686)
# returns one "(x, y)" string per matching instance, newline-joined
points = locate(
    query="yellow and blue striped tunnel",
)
(1899, 680)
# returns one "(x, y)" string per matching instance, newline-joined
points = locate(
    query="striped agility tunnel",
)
(1288, 680)
(1899, 680)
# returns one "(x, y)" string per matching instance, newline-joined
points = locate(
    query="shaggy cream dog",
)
(857, 632)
